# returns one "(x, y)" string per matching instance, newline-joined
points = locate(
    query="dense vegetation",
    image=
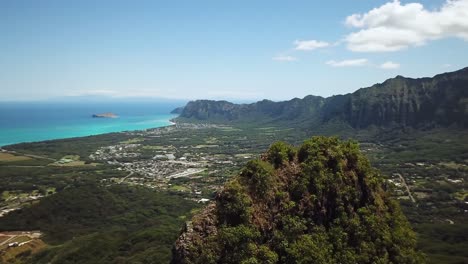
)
(415, 128)
(440, 240)
(321, 203)
(89, 223)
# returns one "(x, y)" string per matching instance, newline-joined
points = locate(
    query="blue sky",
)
(242, 50)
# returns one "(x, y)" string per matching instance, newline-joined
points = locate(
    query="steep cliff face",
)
(263, 111)
(442, 100)
(321, 203)
(212, 110)
(438, 101)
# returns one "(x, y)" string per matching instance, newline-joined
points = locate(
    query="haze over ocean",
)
(37, 121)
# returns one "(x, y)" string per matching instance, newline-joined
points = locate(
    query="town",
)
(197, 171)
(195, 160)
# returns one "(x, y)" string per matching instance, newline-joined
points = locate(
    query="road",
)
(6, 241)
(407, 188)
(13, 235)
(186, 173)
(124, 178)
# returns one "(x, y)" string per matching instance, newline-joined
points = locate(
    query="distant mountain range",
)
(440, 101)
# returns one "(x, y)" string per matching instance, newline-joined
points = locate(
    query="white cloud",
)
(446, 65)
(284, 58)
(348, 63)
(310, 44)
(389, 65)
(394, 26)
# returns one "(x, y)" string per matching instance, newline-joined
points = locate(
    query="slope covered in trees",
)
(89, 223)
(320, 203)
(439, 101)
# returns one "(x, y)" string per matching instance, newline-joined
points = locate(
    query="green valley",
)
(124, 197)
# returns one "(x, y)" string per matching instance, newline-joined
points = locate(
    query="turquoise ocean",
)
(38, 121)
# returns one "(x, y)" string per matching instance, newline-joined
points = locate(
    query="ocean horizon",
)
(38, 121)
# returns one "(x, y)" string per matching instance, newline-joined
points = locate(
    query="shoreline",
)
(171, 123)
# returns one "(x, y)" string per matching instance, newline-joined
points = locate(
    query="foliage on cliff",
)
(320, 203)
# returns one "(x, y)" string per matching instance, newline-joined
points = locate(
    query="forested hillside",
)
(90, 223)
(440, 101)
(320, 203)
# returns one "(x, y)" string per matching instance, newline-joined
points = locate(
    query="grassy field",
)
(15, 254)
(3, 238)
(7, 157)
(20, 239)
(71, 161)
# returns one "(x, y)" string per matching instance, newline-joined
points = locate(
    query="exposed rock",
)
(105, 115)
(195, 232)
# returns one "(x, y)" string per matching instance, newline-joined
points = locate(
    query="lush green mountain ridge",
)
(440, 101)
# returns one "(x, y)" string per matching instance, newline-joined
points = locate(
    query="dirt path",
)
(31, 236)
(6, 241)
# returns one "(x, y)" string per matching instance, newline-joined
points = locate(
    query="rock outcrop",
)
(321, 203)
(105, 115)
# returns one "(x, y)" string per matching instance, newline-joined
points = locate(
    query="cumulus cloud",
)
(389, 65)
(284, 58)
(348, 63)
(394, 26)
(310, 44)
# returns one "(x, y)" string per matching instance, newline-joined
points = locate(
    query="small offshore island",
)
(105, 115)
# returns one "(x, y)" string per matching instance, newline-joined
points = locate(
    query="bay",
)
(38, 121)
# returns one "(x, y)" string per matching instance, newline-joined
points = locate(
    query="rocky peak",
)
(319, 203)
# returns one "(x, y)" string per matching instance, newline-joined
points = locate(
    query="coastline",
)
(168, 123)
